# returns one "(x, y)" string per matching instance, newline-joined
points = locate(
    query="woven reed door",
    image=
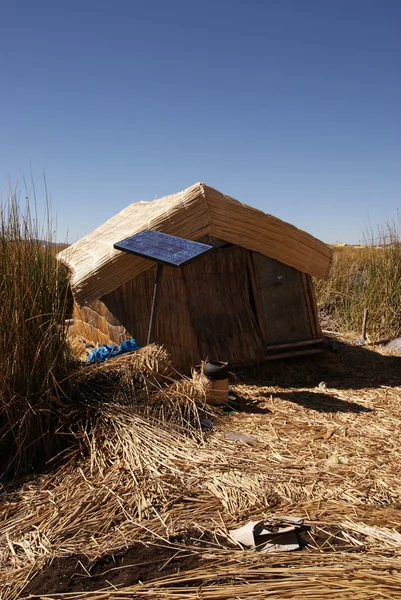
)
(282, 306)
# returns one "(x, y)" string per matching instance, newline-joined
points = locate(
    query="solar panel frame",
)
(162, 248)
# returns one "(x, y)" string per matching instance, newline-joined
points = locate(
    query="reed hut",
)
(249, 299)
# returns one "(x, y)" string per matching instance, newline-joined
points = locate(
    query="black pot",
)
(216, 370)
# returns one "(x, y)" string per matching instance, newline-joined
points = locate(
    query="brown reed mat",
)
(327, 451)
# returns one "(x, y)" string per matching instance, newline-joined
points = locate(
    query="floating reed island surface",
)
(143, 500)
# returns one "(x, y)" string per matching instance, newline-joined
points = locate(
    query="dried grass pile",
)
(228, 575)
(135, 481)
(146, 381)
(131, 376)
(328, 454)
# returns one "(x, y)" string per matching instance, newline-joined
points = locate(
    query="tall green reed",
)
(365, 277)
(34, 354)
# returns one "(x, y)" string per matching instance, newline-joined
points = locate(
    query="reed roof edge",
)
(97, 268)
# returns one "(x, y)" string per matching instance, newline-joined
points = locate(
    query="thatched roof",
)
(97, 268)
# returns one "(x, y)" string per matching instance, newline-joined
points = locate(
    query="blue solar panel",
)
(163, 248)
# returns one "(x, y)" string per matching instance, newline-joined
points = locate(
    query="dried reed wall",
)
(226, 305)
(97, 324)
(131, 304)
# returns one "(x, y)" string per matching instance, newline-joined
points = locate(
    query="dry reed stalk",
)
(147, 381)
(124, 491)
(320, 455)
(145, 371)
(233, 574)
(362, 277)
(97, 323)
(183, 403)
(34, 354)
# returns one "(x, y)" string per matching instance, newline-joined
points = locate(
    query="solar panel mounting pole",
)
(154, 301)
(164, 249)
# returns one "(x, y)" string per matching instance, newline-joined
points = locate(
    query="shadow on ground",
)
(244, 405)
(326, 403)
(342, 366)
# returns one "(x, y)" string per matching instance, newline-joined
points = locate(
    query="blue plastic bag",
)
(108, 351)
(128, 346)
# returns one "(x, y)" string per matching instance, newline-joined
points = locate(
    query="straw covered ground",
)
(142, 504)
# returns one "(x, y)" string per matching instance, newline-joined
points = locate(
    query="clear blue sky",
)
(293, 106)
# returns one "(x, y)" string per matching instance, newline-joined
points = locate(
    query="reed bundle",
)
(138, 373)
(146, 380)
